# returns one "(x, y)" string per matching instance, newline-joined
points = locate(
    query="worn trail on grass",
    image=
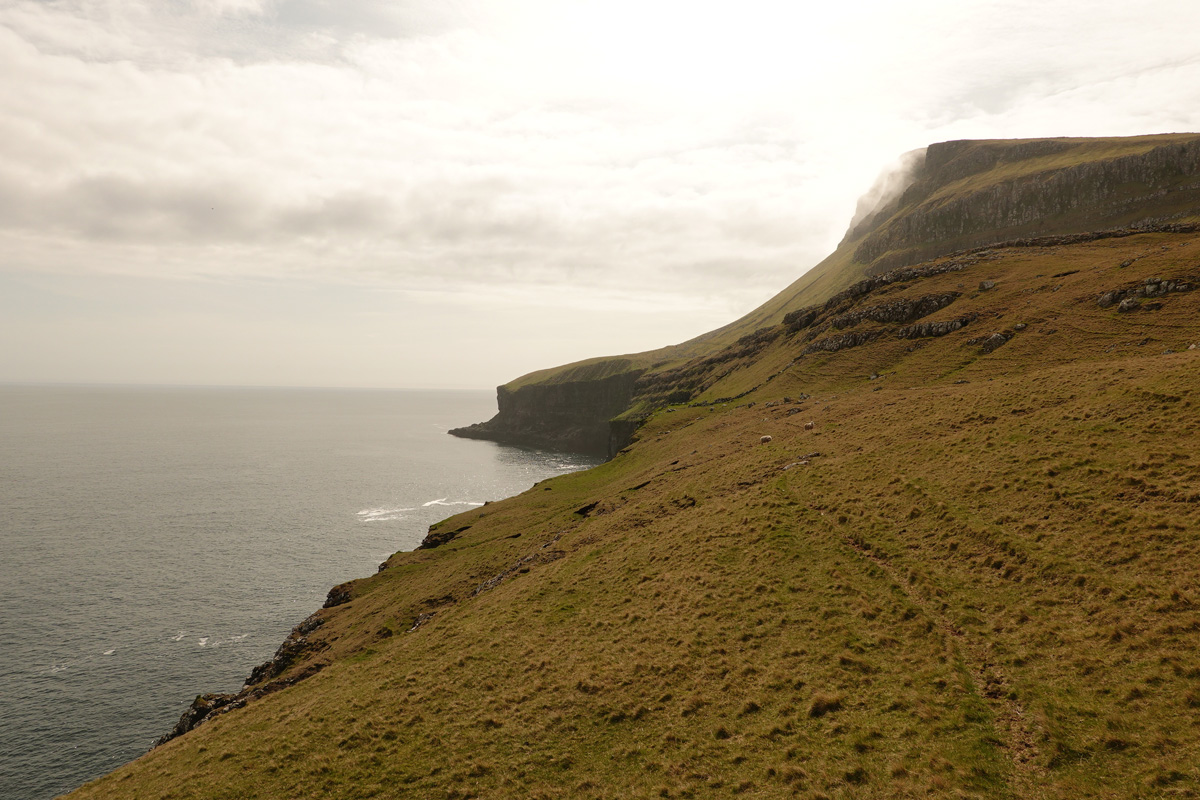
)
(1018, 734)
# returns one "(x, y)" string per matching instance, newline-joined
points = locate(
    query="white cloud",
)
(654, 154)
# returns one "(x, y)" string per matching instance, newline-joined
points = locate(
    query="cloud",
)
(687, 153)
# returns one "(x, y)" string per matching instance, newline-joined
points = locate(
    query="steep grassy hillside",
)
(962, 566)
(956, 196)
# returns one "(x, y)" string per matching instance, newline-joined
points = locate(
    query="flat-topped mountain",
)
(930, 534)
(951, 197)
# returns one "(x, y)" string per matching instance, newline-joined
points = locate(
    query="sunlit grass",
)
(982, 586)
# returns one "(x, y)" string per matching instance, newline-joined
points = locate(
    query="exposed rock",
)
(421, 620)
(435, 538)
(994, 342)
(543, 556)
(203, 707)
(797, 320)
(920, 225)
(832, 344)
(573, 413)
(923, 330)
(1128, 304)
(206, 706)
(986, 285)
(805, 317)
(692, 378)
(294, 646)
(338, 595)
(902, 310)
(1151, 287)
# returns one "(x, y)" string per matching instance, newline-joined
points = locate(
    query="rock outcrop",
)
(968, 194)
(296, 648)
(571, 415)
(1128, 298)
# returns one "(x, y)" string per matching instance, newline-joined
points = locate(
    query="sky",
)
(452, 193)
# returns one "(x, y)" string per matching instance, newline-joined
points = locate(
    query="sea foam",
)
(382, 514)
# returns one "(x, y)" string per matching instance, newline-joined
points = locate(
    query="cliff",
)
(572, 415)
(966, 194)
(950, 198)
(932, 535)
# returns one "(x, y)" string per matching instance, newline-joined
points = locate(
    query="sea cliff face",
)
(576, 415)
(969, 194)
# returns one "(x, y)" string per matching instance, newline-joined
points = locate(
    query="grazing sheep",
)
(808, 426)
(765, 439)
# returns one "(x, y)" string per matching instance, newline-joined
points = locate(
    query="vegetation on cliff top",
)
(1100, 183)
(962, 566)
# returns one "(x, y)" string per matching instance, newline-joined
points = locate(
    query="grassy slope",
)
(839, 270)
(981, 588)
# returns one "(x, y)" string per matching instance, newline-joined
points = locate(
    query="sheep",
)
(808, 426)
(765, 439)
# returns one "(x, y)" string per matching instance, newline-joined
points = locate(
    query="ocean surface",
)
(158, 543)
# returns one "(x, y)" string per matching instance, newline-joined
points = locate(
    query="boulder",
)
(995, 341)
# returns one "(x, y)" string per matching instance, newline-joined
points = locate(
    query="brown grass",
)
(983, 586)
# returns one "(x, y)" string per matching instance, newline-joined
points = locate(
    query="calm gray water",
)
(156, 543)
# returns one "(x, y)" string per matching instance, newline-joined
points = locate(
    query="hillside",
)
(962, 566)
(951, 197)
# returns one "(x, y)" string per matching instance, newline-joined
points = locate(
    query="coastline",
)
(190, 531)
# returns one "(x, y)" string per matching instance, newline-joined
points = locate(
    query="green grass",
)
(840, 269)
(978, 589)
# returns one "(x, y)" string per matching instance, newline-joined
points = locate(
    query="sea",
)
(157, 543)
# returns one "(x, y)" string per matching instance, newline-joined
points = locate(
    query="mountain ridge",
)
(957, 196)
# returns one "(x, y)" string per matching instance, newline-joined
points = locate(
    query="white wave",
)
(382, 514)
(57, 668)
(178, 637)
(109, 652)
(203, 641)
(442, 502)
(238, 638)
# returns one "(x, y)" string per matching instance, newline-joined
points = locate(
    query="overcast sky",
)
(453, 193)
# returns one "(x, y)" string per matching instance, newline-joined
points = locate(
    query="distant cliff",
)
(573, 415)
(967, 194)
(950, 198)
